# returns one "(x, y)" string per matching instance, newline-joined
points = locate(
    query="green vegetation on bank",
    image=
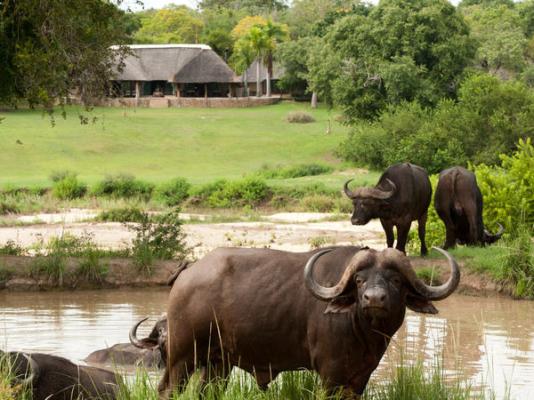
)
(405, 381)
(155, 145)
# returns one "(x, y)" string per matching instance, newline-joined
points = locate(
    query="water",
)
(487, 340)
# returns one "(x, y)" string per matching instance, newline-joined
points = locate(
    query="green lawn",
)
(159, 144)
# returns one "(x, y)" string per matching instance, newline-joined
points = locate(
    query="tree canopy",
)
(47, 49)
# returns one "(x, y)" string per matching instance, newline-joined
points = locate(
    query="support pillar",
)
(137, 92)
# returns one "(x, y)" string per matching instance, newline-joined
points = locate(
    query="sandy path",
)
(287, 231)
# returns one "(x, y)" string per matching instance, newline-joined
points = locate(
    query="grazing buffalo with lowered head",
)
(458, 202)
(267, 311)
(56, 378)
(402, 195)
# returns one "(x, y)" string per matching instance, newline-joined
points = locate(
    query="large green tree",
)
(48, 47)
(402, 50)
(499, 32)
(172, 24)
(251, 6)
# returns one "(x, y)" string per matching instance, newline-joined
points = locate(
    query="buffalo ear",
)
(340, 304)
(420, 304)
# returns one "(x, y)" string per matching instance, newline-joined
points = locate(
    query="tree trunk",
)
(258, 78)
(269, 74)
(268, 84)
(245, 84)
(314, 100)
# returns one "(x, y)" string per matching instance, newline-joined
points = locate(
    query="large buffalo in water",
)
(402, 195)
(458, 202)
(55, 378)
(267, 311)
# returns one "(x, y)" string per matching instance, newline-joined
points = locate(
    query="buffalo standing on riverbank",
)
(402, 195)
(253, 308)
(458, 202)
(55, 378)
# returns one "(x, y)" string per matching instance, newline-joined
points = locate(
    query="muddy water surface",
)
(487, 340)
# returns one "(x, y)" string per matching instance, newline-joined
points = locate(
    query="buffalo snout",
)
(375, 297)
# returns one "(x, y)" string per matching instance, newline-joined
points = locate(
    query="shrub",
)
(10, 248)
(489, 117)
(124, 186)
(69, 188)
(160, 237)
(296, 171)
(201, 194)
(126, 214)
(59, 175)
(518, 264)
(508, 189)
(8, 207)
(245, 192)
(174, 192)
(300, 117)
(317, 203)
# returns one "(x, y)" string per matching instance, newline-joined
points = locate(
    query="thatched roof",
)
(180, 63)
(278, 71)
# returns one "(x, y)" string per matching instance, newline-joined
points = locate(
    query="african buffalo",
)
(264, 311)
(156, 340)
(144, 352)
(56, 378)
(458, 202)
(402, 195)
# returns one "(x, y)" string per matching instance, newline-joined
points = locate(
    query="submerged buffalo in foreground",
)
(458, 202)
(267, 311)
(148, 352)
(402, 195)
(55, 378)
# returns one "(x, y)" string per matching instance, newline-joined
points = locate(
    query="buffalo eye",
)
(396, 280)
(359, 281)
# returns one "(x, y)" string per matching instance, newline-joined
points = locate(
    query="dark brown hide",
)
(251, 308)
(125, 354)
(458, 202)
(155, 342)
(56, 378)
(402, 195)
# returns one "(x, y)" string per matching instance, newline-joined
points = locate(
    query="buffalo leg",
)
(421, 230)
(402, 236)
(388, 229)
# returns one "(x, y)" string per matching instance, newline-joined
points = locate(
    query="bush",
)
(300, 117)
(318, 203)
(245, 192)
(488, 119)
(160, 237)
(296, 171)
(124, 186)
(174, 192)
(126, 214)
(57, 176)
(518, 265)
(10, 248)
(8, 207)
(69, 188)
(508, 189)
(201, 194)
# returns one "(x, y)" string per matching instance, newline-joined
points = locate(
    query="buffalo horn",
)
(493, 238)
(384, 195)
(443, 291)
(347, 191)
(322, 292)
(34, 371)
(133, 336)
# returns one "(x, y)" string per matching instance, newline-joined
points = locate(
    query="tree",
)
(401, 50)
(173, 24)
(498, 29)
(217, 32)
(48, 48)
(250, 6)
(261, 37)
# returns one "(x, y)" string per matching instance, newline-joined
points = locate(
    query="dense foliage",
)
(488, 119)
(48, 48)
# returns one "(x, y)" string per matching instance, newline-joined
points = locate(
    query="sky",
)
(190, 3)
